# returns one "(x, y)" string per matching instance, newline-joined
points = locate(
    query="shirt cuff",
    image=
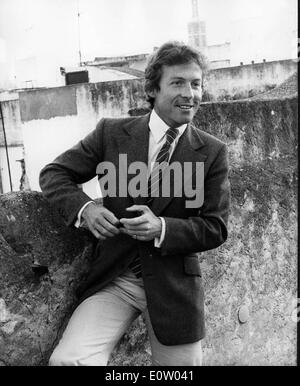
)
(159, 240)
(78, 221)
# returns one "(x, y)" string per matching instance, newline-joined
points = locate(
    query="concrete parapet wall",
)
(51, 127)
(103, 99)
(257, 266)
(14, 142)
(12, 123)
(48, 121)
(248, 80)
(36, 301)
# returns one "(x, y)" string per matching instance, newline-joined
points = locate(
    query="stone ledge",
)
(34, 308)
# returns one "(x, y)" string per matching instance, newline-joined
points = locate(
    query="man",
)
(146, 259)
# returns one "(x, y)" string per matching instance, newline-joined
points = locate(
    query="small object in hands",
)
(39, 269)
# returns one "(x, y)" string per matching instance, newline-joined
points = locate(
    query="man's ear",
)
(152, 93)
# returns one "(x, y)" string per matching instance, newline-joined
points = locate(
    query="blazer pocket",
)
(192, 265)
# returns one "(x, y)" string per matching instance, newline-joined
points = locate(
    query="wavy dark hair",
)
(170, 54)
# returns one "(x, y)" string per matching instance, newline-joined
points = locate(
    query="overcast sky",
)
(48, 30)
(112, 27)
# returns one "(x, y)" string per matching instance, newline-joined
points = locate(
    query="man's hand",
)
(100, 221)
(145, 227)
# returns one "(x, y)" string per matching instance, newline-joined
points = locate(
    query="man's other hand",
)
(100, 221)
(145, 227)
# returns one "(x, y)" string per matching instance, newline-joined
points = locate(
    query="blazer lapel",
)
(134, 142)
(188, 149)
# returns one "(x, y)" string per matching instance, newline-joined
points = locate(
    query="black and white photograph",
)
(149, 185)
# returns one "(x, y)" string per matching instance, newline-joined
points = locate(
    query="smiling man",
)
(178, 94)
(147, 256)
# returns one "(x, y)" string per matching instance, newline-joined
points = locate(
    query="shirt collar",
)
(158, 127)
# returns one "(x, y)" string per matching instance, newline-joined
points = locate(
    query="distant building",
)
(106, 69)
(217, 54)
(136, 62)
(94, 74)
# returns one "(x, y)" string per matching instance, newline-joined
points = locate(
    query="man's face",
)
(180, 93)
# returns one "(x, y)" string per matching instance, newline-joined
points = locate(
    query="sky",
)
(49, 29)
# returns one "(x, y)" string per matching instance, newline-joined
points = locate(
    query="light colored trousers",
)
(100, 321)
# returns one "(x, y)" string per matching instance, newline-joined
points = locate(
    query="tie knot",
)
(172, 134)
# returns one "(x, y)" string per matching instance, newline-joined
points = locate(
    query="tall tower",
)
(195, 9)
(197, 29)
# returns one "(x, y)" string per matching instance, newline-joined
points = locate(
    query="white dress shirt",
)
(157, 138)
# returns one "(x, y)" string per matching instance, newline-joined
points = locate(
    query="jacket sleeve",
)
(59, 180)
(208, 230)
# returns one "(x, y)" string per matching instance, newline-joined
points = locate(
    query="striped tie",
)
(160, 165)
(154, 183)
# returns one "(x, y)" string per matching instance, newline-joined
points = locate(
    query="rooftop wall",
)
(257, 267)
(14, 140)
(12, 123)
(247, 80)
(55, 119)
